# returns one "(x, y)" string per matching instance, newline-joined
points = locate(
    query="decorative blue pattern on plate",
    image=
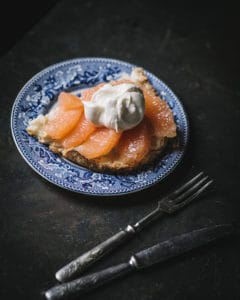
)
(40, 93)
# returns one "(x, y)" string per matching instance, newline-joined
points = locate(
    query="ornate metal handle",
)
(73, 288)
(80, 264)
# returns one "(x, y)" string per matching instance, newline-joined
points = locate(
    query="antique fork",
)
(168, 205)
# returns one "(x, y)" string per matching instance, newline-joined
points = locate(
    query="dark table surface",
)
(195, 50)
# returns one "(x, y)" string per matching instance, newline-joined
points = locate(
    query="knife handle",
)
(80, 264)
(69, 290)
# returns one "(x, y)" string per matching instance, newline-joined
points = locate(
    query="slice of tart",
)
(114, 127)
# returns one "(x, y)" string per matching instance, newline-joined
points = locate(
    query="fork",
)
(178, 199)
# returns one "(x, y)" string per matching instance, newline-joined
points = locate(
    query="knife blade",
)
(143, 259)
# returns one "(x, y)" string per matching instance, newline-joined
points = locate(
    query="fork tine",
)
(169, 199)
(185, 186)
(189, 191)
(190, 198)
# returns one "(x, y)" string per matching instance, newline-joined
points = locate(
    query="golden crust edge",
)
(115, 167)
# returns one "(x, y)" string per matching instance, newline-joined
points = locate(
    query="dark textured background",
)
(194, 48)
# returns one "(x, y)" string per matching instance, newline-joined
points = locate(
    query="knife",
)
(145, 258)
(170, 204)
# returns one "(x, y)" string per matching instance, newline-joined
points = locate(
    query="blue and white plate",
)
(38, 95)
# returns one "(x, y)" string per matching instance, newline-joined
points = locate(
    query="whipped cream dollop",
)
(120, 107)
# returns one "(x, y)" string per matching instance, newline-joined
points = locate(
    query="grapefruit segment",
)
(100, 143)
(64, 116)
(135, 143)
(79, 134)
(67, 101)
(160, 115)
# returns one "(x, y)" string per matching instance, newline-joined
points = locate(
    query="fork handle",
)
(80, 264)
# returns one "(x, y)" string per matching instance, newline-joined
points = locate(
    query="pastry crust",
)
(111, 163)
